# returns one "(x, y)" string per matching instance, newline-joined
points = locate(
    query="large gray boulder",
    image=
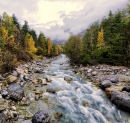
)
(41, 117)
(15, 91)
(121, 100)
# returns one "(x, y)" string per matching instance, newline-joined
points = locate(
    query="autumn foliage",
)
(20, 43)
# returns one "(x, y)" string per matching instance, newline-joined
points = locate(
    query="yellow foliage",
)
(100, 40)
(11, 40)
(3, 32)
(49, 44)
(30, 44)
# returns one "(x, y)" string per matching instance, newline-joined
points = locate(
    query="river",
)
(79, 101)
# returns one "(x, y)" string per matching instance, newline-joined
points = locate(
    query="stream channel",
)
(79, 101)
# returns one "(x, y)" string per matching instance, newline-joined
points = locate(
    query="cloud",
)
(59, 19)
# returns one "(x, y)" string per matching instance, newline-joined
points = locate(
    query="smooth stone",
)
(40, 117)
(15, 91)
(4, 93)
(105, 84)
(94, 73)
(50, 90)
(11, 79)
(126, 88)
(121, 100)
(3, 118)
(68, 79)
(3, 104)
(48, 80)
(112, 89)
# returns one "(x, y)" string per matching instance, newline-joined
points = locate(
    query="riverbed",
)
(79, 101)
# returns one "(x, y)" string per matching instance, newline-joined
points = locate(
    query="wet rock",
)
(89, 70)
(57, 115)
(121, 100)
(3, 118)
(28, 115)
(11, 79)
(3, 104)
(85, 103)
(105, 84)
(15, 91)
(15, 73)
(41, 117)
(38, 71)
(48, 80)
(31, 96)
(112, 89)
(126, 88)
(4, 93)
(68, 79)
(94, 73)
(50, 90)
(113, 79)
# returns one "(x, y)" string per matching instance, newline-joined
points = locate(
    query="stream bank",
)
(49, 90)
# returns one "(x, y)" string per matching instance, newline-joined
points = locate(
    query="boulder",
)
(15, 91)
(121, 100)
(11, 79)
(112, 78)
(68, 79)
(126, 88)
(3, 104)
(41, 117)
(112, 89)
(105, 84)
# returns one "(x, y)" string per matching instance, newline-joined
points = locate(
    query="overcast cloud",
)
(58, 19)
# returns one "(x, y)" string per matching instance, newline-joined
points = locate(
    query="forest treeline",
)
(107, 41)
(19, 43)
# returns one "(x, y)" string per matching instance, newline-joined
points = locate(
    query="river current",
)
(79, 101)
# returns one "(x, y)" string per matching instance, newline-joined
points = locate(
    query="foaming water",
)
(79, 101)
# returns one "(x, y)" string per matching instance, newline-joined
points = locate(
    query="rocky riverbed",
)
(20, 93)
(114, 80)
(49, 91)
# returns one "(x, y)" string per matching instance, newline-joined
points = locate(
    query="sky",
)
(58, 19)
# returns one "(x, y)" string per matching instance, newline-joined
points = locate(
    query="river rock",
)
(38, 71)
(126, 88)
(4, 93)
(41, 117)
(3, 118)
(15, 91)
(50, 90)
(58, 115)
(105, 84)
(122, 100)
(112, 89)
(94, 73)
(68, 79)
(3, 104)
(11, 79)
(48, 80)
(112, 78)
